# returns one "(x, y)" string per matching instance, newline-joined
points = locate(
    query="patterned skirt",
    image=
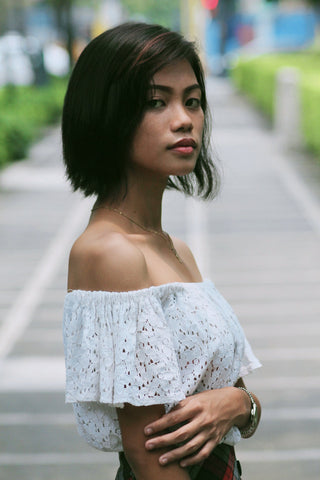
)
(220, 465)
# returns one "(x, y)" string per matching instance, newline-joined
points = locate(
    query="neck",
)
(143, 201)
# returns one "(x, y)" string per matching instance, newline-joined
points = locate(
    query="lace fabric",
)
(151, 346)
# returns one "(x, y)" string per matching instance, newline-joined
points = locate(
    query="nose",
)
(181, 119)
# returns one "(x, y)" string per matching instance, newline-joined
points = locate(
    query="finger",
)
(184, 451)
(173, 438)
(182, 434)
(161, 441)
(200, 456)
(169, 420)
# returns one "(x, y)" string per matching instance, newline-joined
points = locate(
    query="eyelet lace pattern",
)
(145, 347)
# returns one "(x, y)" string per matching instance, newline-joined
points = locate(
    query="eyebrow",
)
(164, 88)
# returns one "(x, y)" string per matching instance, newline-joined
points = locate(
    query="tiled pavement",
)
(259, 242)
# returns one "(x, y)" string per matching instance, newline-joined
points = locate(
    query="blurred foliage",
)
(257, 78)
(155, 11)
(24, 112)
(310, 99)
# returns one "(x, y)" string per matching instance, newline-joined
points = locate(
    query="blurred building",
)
(224, 28)
(39, 36)
(256, 27)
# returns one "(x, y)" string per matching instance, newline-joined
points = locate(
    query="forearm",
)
(205, 420)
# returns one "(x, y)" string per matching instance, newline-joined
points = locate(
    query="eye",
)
(155, 103)
(193, 103)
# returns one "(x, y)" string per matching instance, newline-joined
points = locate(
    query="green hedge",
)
(257, 78)
(24, 111)
(310, 122)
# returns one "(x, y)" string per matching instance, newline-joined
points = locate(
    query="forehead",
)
(176, 74)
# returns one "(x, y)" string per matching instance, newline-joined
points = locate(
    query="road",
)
(258, 241)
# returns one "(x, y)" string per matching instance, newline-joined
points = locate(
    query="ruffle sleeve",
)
(118, 349)
(249, 360)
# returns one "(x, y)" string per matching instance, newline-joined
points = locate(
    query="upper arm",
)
(144, 463)
(132, 421)
(108, 264)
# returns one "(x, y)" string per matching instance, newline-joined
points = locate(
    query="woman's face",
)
(168, 139)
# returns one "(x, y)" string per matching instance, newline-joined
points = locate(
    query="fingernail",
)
(183, 464)
(148, 431)
(149, 446)
(163, 460)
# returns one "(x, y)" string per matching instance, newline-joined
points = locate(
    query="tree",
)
(63, 14)
(3, 16)
(226, 10)
(64, 19)
(164, 12)
(12, 15)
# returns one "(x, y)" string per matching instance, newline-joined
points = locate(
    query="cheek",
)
(143, 145)
(199, 127)
(201, 120)
(139, 138)
(147, 130)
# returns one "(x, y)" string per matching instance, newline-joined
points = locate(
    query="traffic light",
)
(210, 4)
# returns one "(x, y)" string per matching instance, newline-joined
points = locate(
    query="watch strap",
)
(248, 430)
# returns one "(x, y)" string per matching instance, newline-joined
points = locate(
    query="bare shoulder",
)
(108, 262)
(183, 248)
(187, 255)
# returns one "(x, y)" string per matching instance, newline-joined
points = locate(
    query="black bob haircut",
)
(105, 102)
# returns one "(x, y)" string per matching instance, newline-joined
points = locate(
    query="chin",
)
(185, 170)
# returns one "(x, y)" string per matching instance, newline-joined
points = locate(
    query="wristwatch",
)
(248, 430)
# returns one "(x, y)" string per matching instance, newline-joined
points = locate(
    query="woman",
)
(154, 354)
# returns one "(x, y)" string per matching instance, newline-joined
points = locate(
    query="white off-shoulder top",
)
(145, 347)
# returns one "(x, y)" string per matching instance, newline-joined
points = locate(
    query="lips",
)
(185, 146)
(184, 142)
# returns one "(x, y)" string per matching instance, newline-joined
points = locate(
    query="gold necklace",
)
(161, 234)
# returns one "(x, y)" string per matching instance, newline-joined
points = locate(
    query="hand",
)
(209, 416)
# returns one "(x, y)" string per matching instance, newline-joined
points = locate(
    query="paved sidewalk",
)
(259, 242)
(39, 220)
(263, 234)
